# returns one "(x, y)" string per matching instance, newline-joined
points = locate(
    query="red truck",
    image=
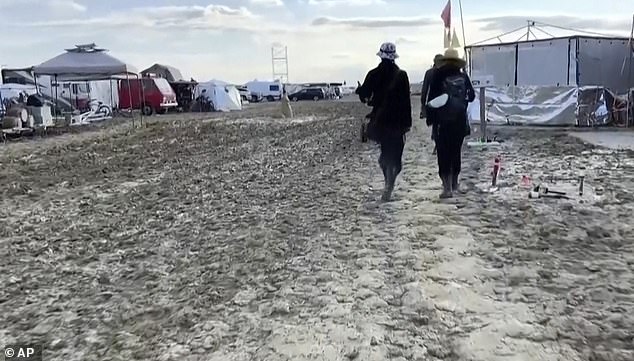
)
(158, 95)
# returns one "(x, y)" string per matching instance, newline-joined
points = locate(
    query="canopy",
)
(85, 62)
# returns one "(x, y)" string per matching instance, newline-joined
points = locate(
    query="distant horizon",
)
(335, 40)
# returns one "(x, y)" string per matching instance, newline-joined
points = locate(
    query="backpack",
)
(456, 87)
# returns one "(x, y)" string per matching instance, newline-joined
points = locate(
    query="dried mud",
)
(248, 237)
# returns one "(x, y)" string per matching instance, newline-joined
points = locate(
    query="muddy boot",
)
(389, 184)
(455, 186)
(446, 188)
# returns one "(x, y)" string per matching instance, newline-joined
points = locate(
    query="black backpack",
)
(456, 87)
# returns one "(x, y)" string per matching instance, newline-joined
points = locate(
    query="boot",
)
(446, 188)
(389, 184)
(455, 186)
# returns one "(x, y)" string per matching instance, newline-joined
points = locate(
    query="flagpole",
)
(629, 74)
(464, 39)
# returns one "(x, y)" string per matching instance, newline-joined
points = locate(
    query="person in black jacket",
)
(425, 88)
(386, 88)
(450, 120)
(425, 91)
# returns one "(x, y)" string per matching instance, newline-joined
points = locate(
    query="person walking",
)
(386, 88)
(449, 122)
(425, 91)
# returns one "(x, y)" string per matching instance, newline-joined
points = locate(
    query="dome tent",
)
(224, 96)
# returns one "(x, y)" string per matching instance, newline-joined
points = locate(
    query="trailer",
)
(269, 90)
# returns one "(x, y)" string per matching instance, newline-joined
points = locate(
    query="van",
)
(269, 90)
(159, 97)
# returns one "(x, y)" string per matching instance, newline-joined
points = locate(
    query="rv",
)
(269, 90)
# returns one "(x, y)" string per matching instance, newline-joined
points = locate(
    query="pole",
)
(464, 38)
(483, 115)
(127, 78)
(273, 61)
(629, 76)
(528, 30)
(56, 95)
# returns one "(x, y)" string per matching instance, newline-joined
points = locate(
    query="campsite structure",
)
(224, 96)
(168, 72)
(84, 63)
(575, 80)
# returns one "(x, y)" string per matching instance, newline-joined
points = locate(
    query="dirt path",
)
(257, 239)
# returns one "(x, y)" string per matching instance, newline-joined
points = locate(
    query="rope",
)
(576, 30)
(544, 31)
(498, 36)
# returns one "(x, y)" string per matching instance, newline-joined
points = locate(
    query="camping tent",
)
(85, 62)
(164, 71)
(224, 96)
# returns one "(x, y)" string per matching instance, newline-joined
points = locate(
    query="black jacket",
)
(386, 88)
(436, 88)
(426, 80)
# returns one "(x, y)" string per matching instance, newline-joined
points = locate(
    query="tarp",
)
(9, 91)
(225, 97)
(13, 90)
(605, 62)
(89, 65)
(543, 63)
(541, 105)
(569, 61)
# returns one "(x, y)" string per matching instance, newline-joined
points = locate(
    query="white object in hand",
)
(438, 101)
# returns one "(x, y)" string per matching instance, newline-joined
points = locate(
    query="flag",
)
(447, 38)
(446, 15)
(455, 42)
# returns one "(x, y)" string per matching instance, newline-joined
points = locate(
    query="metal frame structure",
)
(279, 62)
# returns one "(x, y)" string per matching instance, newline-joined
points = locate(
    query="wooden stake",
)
(483, 115)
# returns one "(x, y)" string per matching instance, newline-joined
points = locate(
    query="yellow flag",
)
(455, 42)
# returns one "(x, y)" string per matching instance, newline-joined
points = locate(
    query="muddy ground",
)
(243, 237)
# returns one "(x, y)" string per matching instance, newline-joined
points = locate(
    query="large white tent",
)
(556, 81)
(224, 96)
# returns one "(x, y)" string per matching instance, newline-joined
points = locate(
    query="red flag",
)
(446, 15)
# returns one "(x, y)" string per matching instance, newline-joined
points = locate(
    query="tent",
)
(164, 71)
(224, 96)
(86, 62)
(83, 63)
(555, 81)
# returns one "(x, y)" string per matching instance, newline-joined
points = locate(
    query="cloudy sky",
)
(327, 40)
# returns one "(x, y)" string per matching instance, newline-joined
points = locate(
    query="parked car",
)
(308, 94)
(159, 97)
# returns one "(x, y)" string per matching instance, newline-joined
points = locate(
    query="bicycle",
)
(98, 112)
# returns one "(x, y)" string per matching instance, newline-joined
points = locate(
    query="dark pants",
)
(392, 155)
(449, 151)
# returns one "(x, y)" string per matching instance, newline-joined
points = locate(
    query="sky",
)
(327, 40)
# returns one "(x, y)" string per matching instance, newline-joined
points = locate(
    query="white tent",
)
(85, 62)
(224, 96)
